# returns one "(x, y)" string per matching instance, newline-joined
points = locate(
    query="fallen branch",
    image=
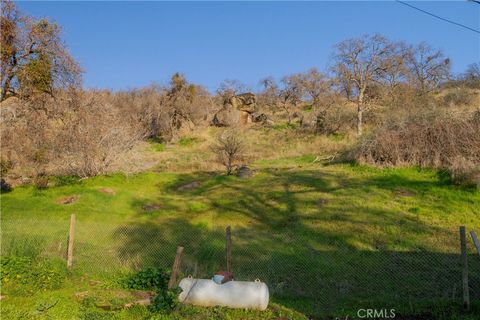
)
(329, 158)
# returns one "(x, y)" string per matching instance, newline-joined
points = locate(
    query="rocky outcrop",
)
(237, 111)
(228, 116)
(246, 102)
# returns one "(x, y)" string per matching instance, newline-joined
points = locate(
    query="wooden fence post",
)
(228, 248)
(475, 241)
(175, 268)
(463, 247)
(71, 237)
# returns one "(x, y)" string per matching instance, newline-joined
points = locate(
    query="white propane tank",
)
(233, 294)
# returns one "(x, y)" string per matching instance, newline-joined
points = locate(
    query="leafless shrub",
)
(166, 112)
(458, 96)
(428, 139)
(334, 120)
(28, 137)
(147, 106)
(95, 136)
(465, 171)
(229, 148)
(330, 115)
(74, 133)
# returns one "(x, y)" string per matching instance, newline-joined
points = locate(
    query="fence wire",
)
(328, 273)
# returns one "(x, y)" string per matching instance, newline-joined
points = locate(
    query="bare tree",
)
(33, 56)
(165, 111)
(229, 88)
(472, 75)
(358, 63)
(428, 67)
(228, 148)
(290, 95)
(181, 96)
(394, 72)
(268, 97)
(314, 85)
(473, 71)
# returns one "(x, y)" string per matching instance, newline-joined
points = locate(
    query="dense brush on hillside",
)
(442, 140)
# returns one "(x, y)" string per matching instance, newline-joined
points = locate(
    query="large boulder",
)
(228, 116)
(237, 111)
(244, 172)
(246, 102)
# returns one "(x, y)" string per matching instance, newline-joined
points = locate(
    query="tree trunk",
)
(9, 77)
(360, 108)
(359, 119)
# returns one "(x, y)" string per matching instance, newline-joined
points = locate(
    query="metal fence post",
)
(464, 257)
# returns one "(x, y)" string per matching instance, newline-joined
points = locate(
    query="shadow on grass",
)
(318, 259)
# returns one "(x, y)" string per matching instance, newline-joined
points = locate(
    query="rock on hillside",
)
(246, 102)
(237, 111)
(228, 116)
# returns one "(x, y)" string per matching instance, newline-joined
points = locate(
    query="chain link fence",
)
(323, 272)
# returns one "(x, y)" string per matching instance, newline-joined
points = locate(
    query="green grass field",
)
(327, 239)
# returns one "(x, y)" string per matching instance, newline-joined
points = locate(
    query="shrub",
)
(164, 301)
(153, 279)
(426, 139)
(4, 186)
(333, 121)
(464, 171)
(5, 166)
(60, 181)
(148, 279)
(458, 96)
(41, 181)
(229, 149)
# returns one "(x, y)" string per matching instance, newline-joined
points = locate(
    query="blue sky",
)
(124, 45)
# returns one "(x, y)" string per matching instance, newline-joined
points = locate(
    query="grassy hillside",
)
(325, 238)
